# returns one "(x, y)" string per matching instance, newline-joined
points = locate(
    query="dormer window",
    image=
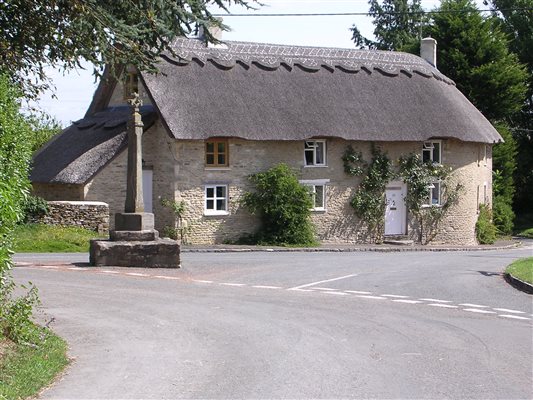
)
(315, 153)
(431, 152)
(131, 84)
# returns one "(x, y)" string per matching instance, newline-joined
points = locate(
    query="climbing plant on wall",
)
(369, 200)
(420, 177)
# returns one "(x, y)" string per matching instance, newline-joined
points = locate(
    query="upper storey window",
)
(431, 152)
(216, 153)
(315, 153)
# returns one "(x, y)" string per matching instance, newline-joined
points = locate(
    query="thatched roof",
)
(80, 151)
(272, 92)
(275, 92)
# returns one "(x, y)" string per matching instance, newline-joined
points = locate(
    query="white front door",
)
(396, 211)
(147, 190)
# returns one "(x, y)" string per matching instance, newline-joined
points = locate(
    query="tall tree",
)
(397, 25)
(473, 51)
(519, 27)
(36, 33)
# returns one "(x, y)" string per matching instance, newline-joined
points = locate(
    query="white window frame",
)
(214, 211)
(312, 184)
(429, 146)
(313, 145)
(431, 187)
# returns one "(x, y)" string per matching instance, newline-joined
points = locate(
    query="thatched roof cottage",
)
(217, 114)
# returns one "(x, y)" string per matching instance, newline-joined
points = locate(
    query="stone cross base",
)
(160, 253)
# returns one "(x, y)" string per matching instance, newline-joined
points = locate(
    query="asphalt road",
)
(292, 325)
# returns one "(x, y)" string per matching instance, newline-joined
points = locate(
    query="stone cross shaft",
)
(134, 188)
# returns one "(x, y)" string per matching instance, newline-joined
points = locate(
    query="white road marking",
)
(408, 301)
(477, 310)
(509, 311)
(49, 266)
(76, 269)
(472, 305)
(324, 288)
(105, 271)
(337, 293)
(167, 277)
(324, 281)
(396, 296)
(302, 290)
(201, 281)
(135, 274)
(232, 284)
(441, 305)
(513, 317)
(372, 297)
(357, 292)
(266, 287)
(436, 300)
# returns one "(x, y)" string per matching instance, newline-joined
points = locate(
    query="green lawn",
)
(522, 269)
(38, 238)
(24, 370)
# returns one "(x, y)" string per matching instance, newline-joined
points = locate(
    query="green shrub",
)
(485, 229)
(283, 205)
(503, 216)
(34, 207)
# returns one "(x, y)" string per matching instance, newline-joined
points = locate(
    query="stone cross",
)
(134, 185)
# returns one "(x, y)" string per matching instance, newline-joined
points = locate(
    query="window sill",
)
(218, 168)
(431, 205)
(315, 166)
(215, 213)
(318, 210)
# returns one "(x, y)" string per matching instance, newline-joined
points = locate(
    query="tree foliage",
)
(397, 25)
(474, 52)
(283, 205)
(60, 33)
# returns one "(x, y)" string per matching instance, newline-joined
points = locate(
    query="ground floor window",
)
(434, 194)
(317, 188)
(216, 200)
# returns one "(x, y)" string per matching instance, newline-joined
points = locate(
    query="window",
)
(431, 152)
(315, 152)
(216, 153)
(216, 200)
(433, 198)
(317, 188)
(131, 85)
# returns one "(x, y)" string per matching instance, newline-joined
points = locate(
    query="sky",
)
(74, 91)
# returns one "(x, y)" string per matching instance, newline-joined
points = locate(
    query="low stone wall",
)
(92, 215)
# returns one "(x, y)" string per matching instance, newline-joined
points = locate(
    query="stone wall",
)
(58, 192)
(92, 215)
(179, 173)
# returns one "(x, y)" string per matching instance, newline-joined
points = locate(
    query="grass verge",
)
(522, 269)
(25, 370)
(39, 238)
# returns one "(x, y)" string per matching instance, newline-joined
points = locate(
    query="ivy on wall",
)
(369, 202)
(419, 176)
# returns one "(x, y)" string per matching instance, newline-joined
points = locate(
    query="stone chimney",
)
(428, 50)
(215, 31)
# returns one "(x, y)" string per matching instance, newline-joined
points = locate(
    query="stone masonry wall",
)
(179, 173)
(58, 192)
(92, 215)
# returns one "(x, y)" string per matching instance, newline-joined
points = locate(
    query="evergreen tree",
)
(519, 27)
(36, 33)
(397, 25)
(473, 51)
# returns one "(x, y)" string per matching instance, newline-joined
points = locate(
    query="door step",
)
(398, 240)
